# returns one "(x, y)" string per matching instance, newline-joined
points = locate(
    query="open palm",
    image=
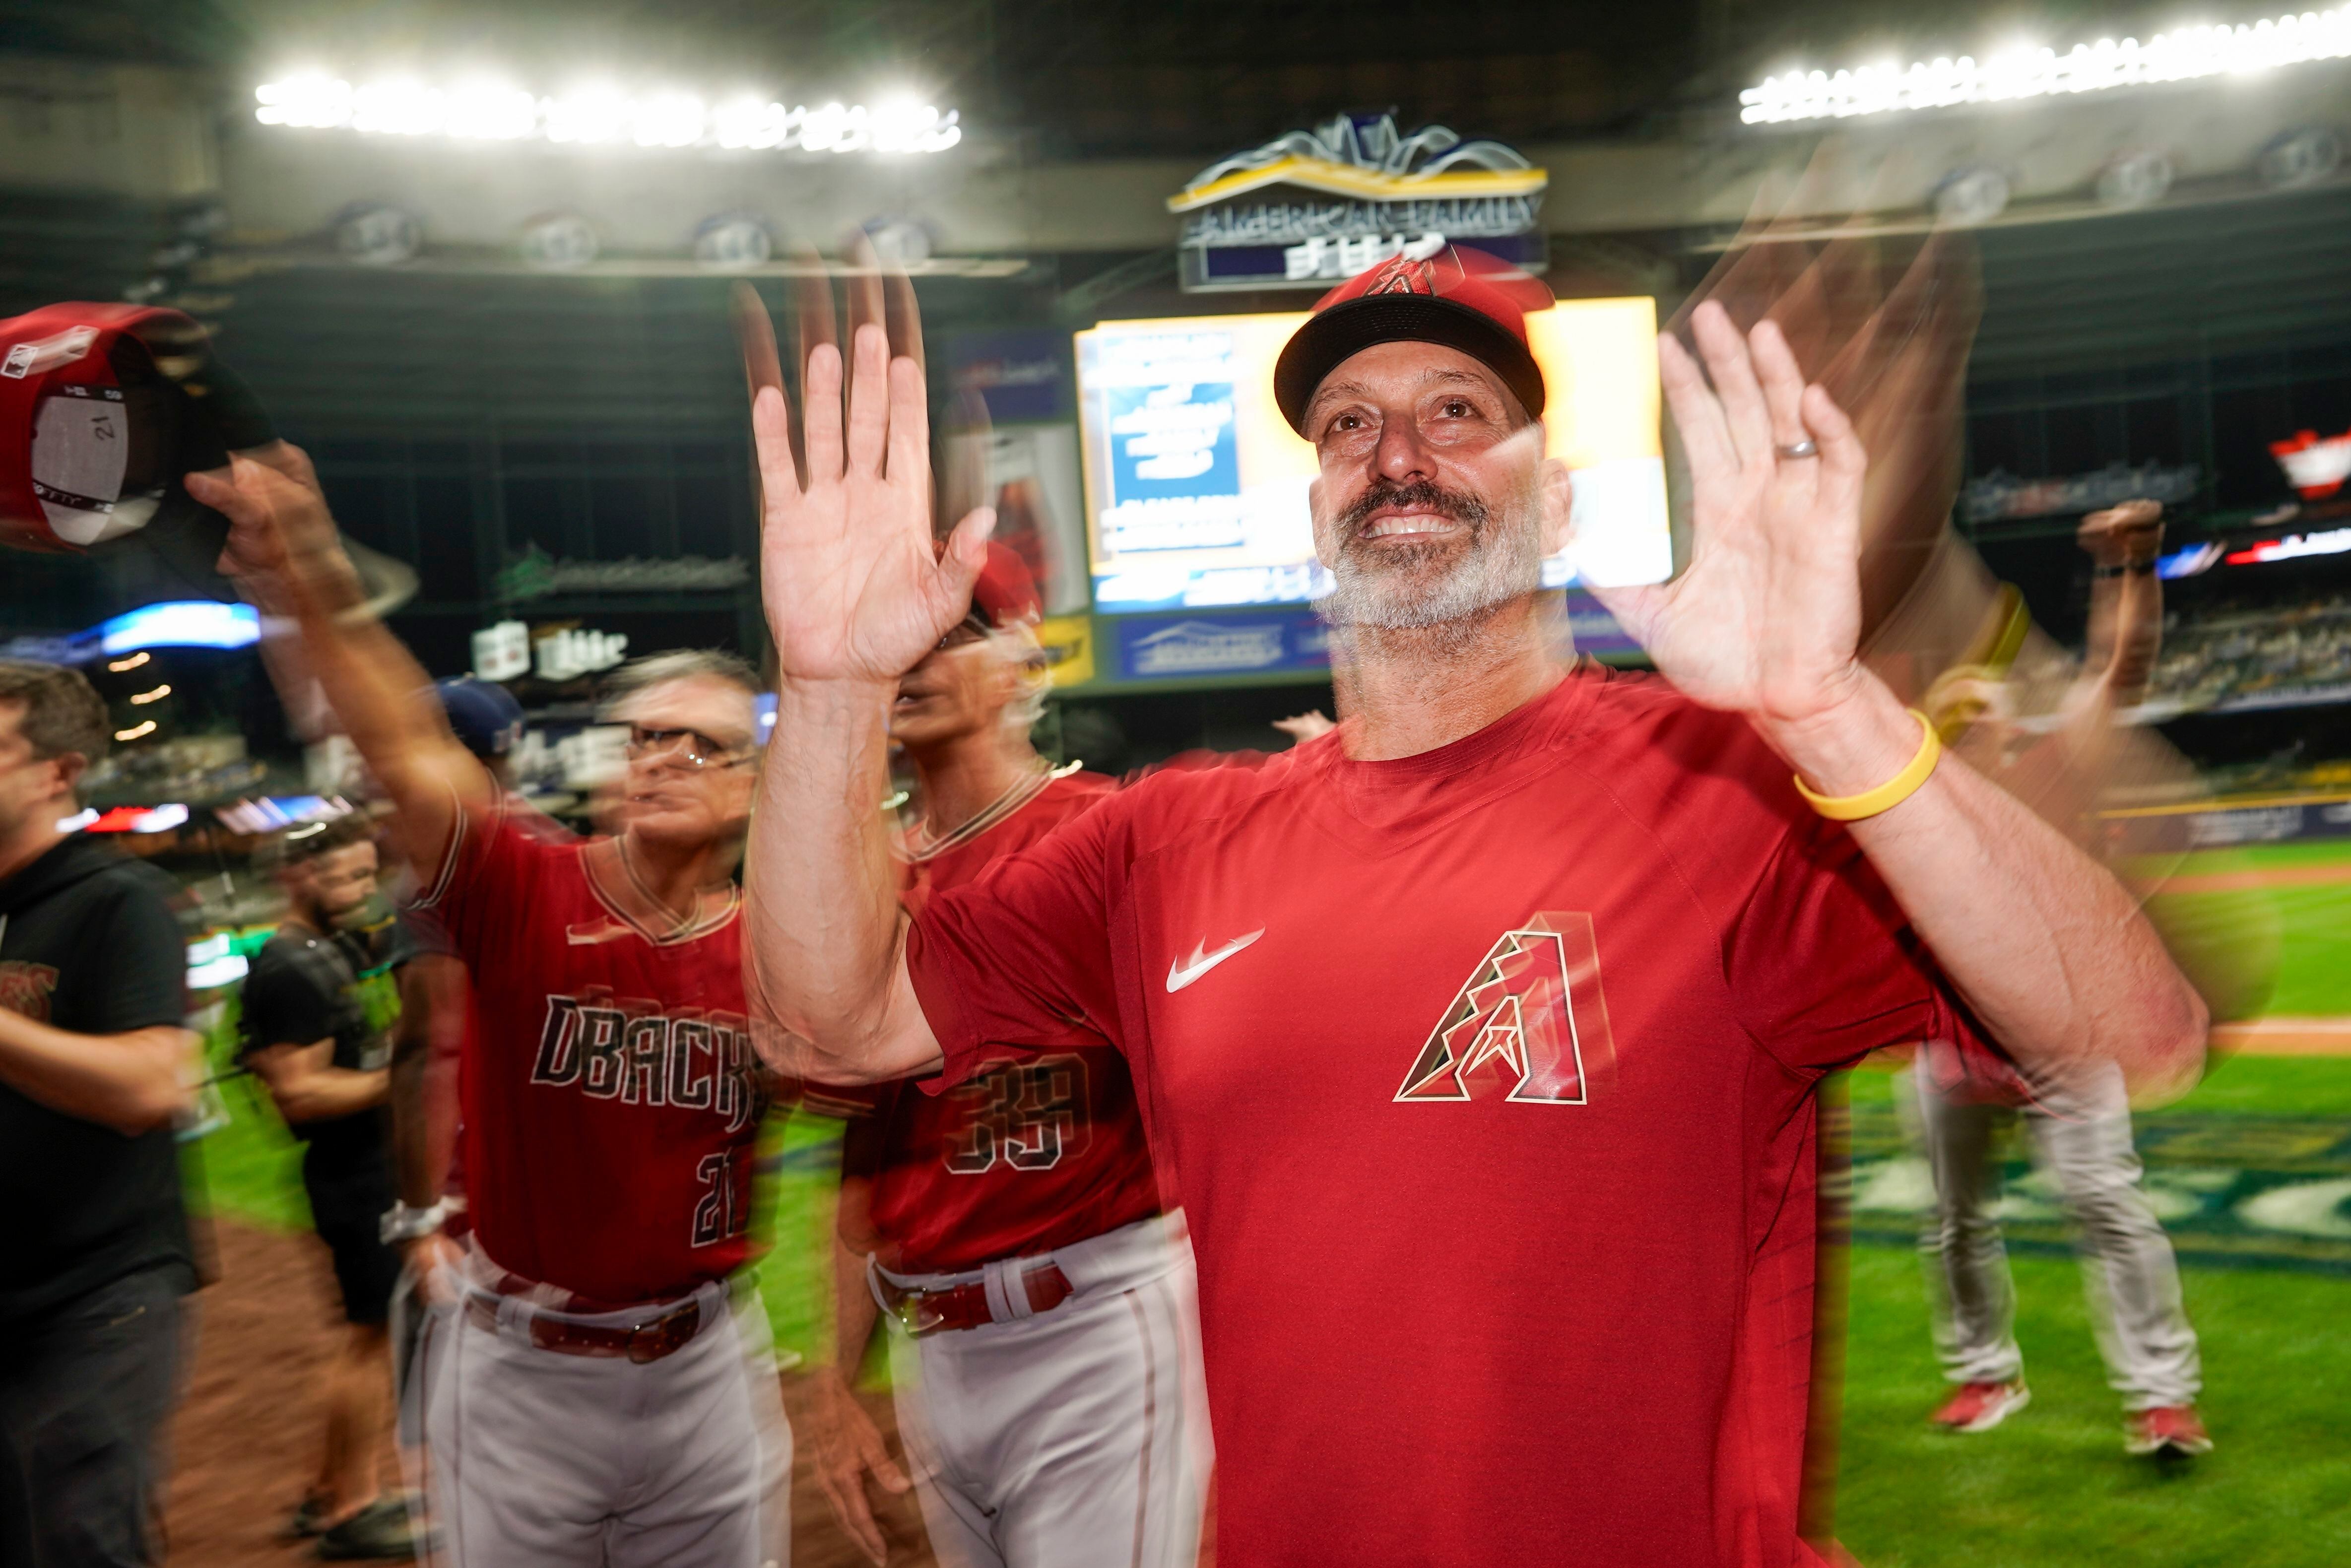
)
(1766, 619)
(854, 586)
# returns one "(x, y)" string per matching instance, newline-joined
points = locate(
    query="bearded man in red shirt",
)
(1480, 1037)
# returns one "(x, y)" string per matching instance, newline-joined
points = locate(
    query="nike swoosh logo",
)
(1184, 971)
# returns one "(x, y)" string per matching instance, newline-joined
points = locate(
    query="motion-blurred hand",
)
(435, 1260)
(278, 521)
(2123, 535)
(1307, 725)
(848, 1448)
(1768, 617)
(855, 587)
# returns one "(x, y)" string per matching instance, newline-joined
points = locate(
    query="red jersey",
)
(612, 1106)
(1020, 1157)
(1487, 1079)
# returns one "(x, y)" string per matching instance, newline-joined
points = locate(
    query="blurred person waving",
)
(597, 1382)
(1045, 1347)
(93, 972)
(2078, 1122)
(1480, 1036)
(325, 1061)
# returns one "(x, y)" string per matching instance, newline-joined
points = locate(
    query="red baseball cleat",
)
(2169, 1431)
(1980, 1406)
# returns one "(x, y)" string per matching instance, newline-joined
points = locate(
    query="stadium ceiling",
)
(1089, 79)
(1073, 77)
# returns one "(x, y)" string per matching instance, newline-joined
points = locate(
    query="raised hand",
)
(1766, 619)
(281, 534)
(856, 589)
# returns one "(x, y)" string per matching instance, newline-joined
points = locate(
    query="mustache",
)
(1420, 496)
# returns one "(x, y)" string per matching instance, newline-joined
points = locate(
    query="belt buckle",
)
(651, 1341)
(916, 1316)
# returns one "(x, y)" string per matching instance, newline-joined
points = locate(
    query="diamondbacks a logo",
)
(1528, 1023)
(1404, 275)
(25, 988)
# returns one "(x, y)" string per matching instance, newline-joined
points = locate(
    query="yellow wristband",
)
(1890, 794)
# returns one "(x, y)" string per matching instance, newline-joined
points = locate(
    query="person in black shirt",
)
(310, 1039)
(92, 1060)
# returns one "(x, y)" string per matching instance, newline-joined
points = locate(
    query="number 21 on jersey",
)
(1025, 1114)
(723, 1211)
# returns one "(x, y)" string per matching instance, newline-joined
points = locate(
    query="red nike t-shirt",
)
(1486, 1076)
(1020, 1157)
(612, 1107)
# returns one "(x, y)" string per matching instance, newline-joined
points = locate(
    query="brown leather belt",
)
(640, 1342)
(965, 1306)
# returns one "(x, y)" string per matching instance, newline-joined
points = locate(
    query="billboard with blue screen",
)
(1196, 488)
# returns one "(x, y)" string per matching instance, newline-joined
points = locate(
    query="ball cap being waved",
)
(1006, 590)
(1460, 297)
(102, 408)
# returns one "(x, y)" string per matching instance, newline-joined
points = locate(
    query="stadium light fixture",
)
(2022, 71)
(600, 114)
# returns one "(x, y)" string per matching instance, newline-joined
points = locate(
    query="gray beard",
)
(1502, 564)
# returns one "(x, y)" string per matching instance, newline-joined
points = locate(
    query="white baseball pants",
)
(568, 1462)
(1074, 1438)
(2082, 1139)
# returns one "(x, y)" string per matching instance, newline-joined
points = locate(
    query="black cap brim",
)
(1347, 328)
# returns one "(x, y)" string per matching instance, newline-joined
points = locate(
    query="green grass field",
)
(2051, 1489)
(2314, 920)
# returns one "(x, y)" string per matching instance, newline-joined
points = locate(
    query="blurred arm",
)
(432, 990)
(857, 589)
(129, 1081)
(284, 552)
(854, 1310)
(849, 1445)
(306, 1086)
(2047, 946)
(835, 972)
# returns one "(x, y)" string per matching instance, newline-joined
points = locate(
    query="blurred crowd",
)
(2270, 654)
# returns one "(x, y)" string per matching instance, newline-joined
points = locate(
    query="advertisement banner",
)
(2151, 830)
(1023, 376)
(1193, 647)
(1068, 642)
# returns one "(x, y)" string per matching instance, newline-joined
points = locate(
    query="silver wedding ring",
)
(1804, 448)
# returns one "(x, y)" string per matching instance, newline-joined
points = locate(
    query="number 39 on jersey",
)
(1026, 1114)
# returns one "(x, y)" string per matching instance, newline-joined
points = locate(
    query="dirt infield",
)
(2286, 1037)
(2244, 881)
(246, 1439)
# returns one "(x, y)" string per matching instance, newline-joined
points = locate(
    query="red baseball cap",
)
(1006, 590)
(1462, 298)
(102, 408)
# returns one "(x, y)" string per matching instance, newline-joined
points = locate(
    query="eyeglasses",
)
(964, 630)
(697, 749)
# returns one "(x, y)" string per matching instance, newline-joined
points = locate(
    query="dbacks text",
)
(627, 1051)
